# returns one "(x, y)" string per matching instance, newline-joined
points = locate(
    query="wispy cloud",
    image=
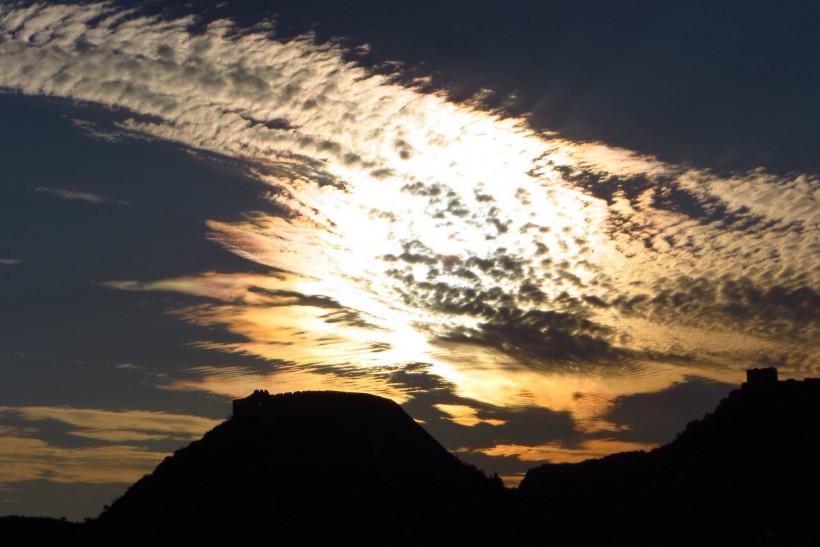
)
(72, 195)
(26, 453)
(26, 458)
(559, 453)
(108, 134)
(117, 426)
(9, 261)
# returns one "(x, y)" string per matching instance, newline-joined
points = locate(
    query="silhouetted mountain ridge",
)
(747, 473)
(313, 463)
(330, 466)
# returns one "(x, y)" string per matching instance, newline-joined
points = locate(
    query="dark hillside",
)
(330, 467)
(316, 464)
(748, 473)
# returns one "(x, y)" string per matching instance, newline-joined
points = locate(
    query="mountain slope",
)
(748, 473)
(327, 466)
(319, 464)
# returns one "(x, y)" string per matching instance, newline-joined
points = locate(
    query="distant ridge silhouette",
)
(332, 466)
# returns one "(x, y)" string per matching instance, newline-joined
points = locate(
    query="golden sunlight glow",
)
(466, 415)
(236, 382)
(557, 453)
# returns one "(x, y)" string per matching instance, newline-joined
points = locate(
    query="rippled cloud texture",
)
(514, 290)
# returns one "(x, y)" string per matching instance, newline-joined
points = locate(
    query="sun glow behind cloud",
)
(522, 268)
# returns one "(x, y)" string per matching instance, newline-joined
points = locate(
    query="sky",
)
(550, 230)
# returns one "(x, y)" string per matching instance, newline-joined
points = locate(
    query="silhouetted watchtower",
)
(760, 377)
(253, 404)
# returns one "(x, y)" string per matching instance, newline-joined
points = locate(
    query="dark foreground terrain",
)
(329, 466)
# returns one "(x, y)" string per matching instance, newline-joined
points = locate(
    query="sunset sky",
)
(550, 230)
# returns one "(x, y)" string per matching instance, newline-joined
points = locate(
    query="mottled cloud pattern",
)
(510, 287)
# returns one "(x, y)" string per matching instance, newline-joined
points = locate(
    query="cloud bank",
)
(534, 276)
